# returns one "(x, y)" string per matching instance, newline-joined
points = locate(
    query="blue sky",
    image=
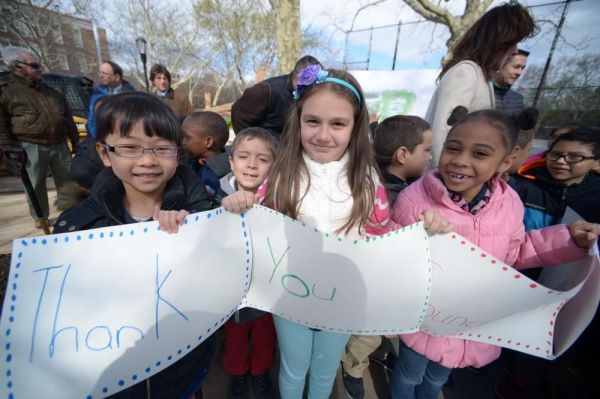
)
(422, 46)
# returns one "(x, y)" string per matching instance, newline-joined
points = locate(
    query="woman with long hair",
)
(466, 78)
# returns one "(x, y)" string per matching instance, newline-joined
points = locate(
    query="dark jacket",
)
(393, 184)
(266, 104)
(86, 164)
(104, 208)
(34, 113)
(546, 199)
(508, 100)
(104, 205)
(101, 91)
(179, 104)
(212, 169)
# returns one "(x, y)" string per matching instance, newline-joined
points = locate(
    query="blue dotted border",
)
(136, 228)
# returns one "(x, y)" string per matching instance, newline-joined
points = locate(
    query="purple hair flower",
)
(309, 75)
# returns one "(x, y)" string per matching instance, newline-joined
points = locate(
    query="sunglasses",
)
(33, 65)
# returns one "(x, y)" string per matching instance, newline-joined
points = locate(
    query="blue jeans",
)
(302, 348)
(416, 377)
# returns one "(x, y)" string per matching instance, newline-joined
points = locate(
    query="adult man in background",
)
(111, 82)
(161, 79)
(266, 104)
(506, 98)
(36, 118)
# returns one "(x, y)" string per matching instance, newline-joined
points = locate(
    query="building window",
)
(61, 58)
(82, 64)
(57, 34)
(77, 37)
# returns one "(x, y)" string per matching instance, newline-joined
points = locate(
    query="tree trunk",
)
(289, 46)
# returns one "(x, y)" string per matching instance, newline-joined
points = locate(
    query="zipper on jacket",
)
(111, 215)
(564, 194)
(237, 316)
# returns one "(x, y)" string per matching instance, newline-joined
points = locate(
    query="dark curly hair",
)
(508, 124)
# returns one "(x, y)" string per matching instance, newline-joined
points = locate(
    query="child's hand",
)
(584, 234)
(435, 223)
(239, 202)
(169, 221)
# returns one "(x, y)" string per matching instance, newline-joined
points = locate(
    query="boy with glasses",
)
(139, 140)
(565, 178)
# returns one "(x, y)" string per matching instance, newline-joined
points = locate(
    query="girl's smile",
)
(326, 125)
(474, 151)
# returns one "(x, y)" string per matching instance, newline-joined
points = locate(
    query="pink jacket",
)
(497, 228)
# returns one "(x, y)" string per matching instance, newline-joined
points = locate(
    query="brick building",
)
(64, 43)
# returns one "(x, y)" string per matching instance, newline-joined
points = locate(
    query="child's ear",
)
(231, 162)
(209, 142)
(507, 163)
(103, 153)
(401, 154)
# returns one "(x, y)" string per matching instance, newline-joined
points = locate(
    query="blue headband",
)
(314, 74)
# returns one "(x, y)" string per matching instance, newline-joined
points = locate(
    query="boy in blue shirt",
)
(205, 135)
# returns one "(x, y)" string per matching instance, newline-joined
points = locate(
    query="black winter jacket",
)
(546, 199)
(508, 100)
(104, 205)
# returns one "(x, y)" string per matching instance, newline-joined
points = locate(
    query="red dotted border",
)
(497, 340)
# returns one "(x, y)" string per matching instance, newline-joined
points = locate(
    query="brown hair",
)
(283, 190)
(116, 68)
(395, 132)
(158, 69)
(303, 62)
(494, 33)
(525, 137)
(258, 133)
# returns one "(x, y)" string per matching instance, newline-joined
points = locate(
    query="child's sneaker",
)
(262, 386)
(354, 386)
(239, 388)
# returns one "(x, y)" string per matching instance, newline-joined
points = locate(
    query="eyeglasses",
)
(569, 158)
(34, 65)
(137, 151)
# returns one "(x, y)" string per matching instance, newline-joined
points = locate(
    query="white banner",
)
(89, 313)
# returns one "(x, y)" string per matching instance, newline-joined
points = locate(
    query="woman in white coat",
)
(466, 79)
